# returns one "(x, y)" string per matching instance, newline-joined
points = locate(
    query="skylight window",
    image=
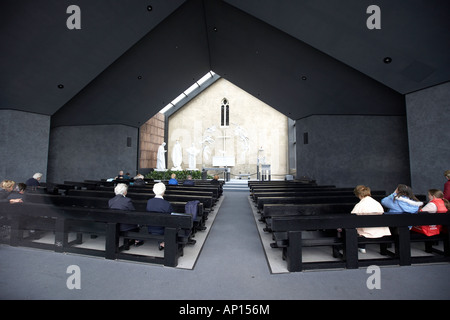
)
(188, 91)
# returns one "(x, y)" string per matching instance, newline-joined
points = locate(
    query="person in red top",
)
(437, 204)
(447, 185)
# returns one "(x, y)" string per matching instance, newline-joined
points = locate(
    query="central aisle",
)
(233, 247)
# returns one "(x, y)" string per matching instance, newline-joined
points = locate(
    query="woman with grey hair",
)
(158, 204)
(34, 181)
(121, 202)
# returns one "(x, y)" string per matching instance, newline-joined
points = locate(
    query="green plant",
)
(181, 175)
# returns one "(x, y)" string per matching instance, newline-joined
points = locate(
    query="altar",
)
(224, 161)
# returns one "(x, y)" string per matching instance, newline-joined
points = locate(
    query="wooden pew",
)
(290, 187)
(63, 220)
(288, 209)
(315, 199)
(102, 203)
(255, 183)
(149, 192)
(311, 193)
(207, 201)
(295, 226)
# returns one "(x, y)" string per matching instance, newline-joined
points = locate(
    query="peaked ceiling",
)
(302, 57)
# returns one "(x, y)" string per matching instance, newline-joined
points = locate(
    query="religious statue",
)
(242, 134)
(192, 151)
(160, 158)
(177, 156)
(207, 141)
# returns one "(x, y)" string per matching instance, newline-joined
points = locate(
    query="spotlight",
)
(139, 77)
(387, 60)
(215, 29)
(60, 86)
(304, 78)
(149, 8)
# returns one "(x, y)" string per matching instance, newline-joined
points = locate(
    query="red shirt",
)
(447, 190)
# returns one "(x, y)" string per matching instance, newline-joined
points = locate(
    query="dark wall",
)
(23, 144)
(91, 152)
(428, 113)
(349, 150)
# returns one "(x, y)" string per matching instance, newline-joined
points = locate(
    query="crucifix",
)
(224, 137)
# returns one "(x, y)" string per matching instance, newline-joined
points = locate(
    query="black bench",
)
(305, 200)
(63, 220)
(295, 226)
(207, 201)
(311, 193)
(254, 183)
(308, 209)
(150, 191)
(102, 203)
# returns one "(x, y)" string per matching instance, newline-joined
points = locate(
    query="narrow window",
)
(225, 113)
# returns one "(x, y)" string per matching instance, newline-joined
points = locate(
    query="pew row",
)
(102, 203)
(262, 201)
(293, 228)
(65, 220)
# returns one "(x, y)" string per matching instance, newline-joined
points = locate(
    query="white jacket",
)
(369, 206)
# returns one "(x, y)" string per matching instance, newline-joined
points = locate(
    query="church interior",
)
(356, 91)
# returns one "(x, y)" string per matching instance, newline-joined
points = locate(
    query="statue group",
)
(177, 157)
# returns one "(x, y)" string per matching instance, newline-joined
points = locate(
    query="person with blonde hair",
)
(7, 187)
(368, 206)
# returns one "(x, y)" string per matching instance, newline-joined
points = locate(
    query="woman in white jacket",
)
(368, 206)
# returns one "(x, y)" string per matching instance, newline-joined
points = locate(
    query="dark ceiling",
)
(302, 57)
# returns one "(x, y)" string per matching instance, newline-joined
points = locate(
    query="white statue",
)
(206, 152)
(177, 156)
(192, 151)
(160, 158)
(239, 131)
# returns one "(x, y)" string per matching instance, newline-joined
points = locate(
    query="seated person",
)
(402, 200)
(215, 180)
(139, 180)
(173, 180)
(19, 193)
(34, 181)
(368, 206)
(7, 187)
(437, 204)
(158, 204)
(120, 175)
(189, 181)
(121, 202)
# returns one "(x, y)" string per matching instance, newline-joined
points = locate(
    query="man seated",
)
(189, 181)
